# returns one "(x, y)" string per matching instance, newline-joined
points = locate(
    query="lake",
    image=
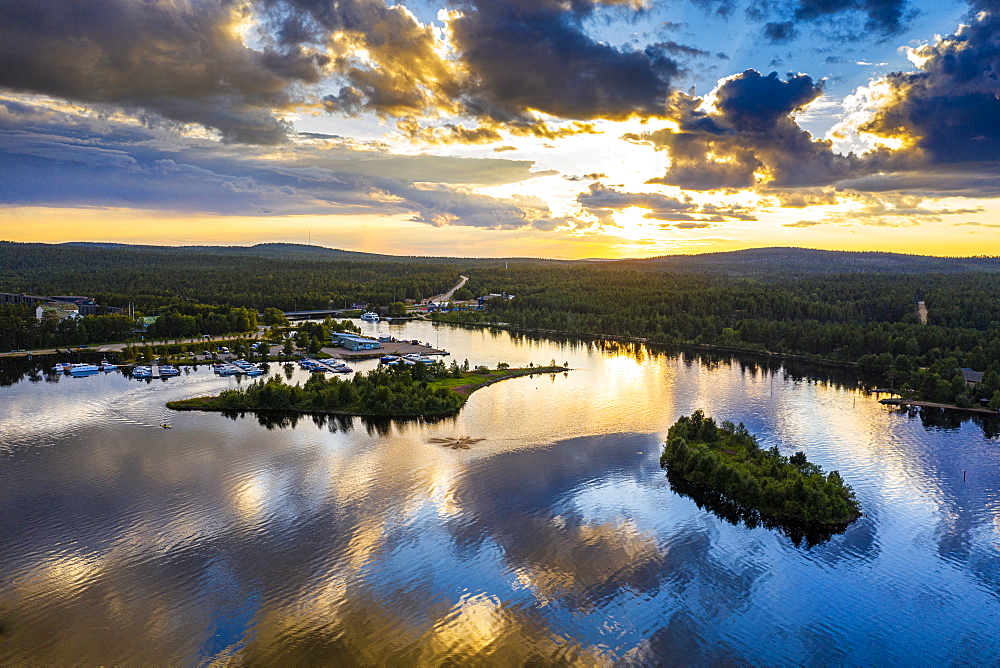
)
(556, 540)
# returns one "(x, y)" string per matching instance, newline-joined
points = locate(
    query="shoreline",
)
(464, 391)
(821, 361)
(735, 350)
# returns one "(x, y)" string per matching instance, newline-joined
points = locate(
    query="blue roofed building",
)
(355, 342)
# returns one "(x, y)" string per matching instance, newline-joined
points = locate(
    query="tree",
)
(397, 309)
(273, 316)
(288, 348)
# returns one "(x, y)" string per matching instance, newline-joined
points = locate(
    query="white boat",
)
(108, 366)
(142, 372)
(84, 369)
(169, 371)
(370, 316)
(63, 366)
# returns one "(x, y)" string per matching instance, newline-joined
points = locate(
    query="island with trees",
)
(723, 467)
(422, 390)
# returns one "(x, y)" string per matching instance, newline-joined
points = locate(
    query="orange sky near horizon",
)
(395, 235)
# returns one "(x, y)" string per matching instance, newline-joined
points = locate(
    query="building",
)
(355, 342)
(84, 305)
(972, 378)
(15, 298)
(57, 310)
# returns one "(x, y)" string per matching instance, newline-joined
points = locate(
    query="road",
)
(447, 296)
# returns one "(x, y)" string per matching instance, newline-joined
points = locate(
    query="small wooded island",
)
(431, 390)
(725, 460)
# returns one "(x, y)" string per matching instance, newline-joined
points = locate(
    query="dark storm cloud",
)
(182, 60)
(950, 108)
(749, 133)
(57, 158)
(525, 55)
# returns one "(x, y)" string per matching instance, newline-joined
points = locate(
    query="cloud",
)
(602, 201)
(676, 49)
(63, 159)
(497, 62)
(780, 32)
(886, 17)
(526, 55)
(743, 135)
(182, 60)
(948, 110)
(886, 211)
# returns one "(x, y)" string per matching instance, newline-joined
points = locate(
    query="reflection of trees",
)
(736, 514)
(940, 419)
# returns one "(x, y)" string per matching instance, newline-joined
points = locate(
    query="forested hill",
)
(749, 262)
(152, 279)
(286, 251)
(802, 261)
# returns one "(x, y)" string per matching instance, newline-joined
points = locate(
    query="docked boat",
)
(168, 370)
(388, 359)
(84, 369)
(142, 372)
(63, 366)
(108, 366)
(370, 316)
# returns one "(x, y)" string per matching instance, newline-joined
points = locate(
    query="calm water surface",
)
(555, 540)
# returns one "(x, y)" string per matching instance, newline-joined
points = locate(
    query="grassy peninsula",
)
(394, 392)
(726, 462)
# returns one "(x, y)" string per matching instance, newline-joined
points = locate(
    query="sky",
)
(543, 128)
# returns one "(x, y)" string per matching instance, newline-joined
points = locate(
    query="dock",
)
(931, 404)
(155, 368)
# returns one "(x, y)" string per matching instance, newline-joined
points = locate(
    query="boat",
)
(169, 371)
(142, 372)
(84, 369)
(108, 366)
(63, 366)
(388, 359)
(370, 316)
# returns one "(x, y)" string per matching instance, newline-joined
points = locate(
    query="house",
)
(355, 342)
(363, 306)
(972, 378)
(57, 310)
